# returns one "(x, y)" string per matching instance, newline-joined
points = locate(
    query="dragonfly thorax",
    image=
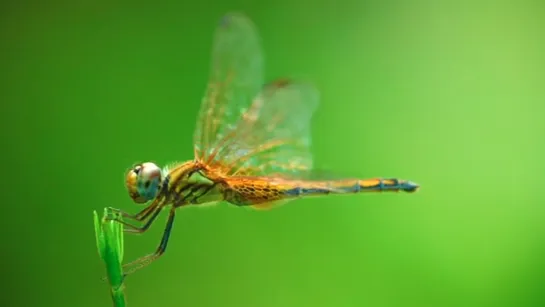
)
(143, 182)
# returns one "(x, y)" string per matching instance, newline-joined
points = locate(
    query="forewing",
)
(236, 77)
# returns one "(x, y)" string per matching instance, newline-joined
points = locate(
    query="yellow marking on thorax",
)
(192, 186)
(176, 175)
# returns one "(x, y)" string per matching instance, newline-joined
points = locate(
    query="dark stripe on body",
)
(178, 196)
(164, 187)
(205, 191)
(303, 191)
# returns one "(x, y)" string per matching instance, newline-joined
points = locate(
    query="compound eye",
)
(131, 182)
(143, 182)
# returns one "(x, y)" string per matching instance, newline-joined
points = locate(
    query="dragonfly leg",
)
(140, 216)
(144, 261)
(135, 229)
(131, 228)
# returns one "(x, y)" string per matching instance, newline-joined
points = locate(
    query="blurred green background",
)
(450, 95)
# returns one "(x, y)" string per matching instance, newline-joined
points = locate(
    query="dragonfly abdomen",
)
(244, 191)
(352, 186)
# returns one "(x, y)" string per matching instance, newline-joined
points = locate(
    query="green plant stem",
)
(109, 237)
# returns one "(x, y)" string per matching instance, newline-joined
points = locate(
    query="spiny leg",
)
(146, 260)
(136, 229)
(140, 216)
(151, 215)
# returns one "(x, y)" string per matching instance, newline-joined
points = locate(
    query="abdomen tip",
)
(411, 187)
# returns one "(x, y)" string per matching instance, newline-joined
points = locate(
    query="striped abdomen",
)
(352, 186)
(253, 191)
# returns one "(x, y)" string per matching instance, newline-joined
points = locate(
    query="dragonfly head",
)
(143, 182)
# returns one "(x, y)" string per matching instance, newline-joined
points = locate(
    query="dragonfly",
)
(251, 144)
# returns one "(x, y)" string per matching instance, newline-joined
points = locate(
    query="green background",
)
(450, 95)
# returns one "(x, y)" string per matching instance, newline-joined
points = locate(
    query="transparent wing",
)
(273, 136)
(236, 77)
